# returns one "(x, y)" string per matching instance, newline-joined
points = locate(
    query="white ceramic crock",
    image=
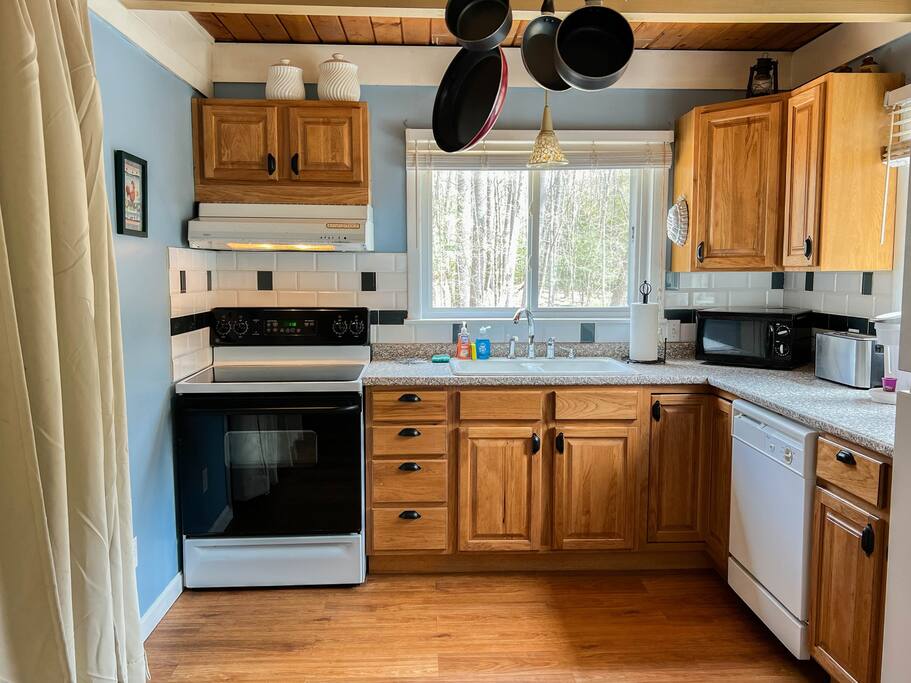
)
(285, 82)
(338, 80)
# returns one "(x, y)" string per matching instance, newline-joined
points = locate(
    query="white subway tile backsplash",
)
(376, 300)
(350, 282)
(336, 298)
(861, 306)
(391, 281)
(759, 280)
(394, 334)
(401, 301)
(439, 333)
(297, 298)
(884, 304)
(225, 299)
(834, 303)
(848, 283)
(335, 262)
(709, 298)
(774, 297)
(401, 263)
(794, 280)
(882, 283)
(255, 298)
(811, 300)
(376, 263)
(731, 280)
(283, 279)
(316, 281)
(748, 297)
(196, 280)
(174, 281)
(825, 282)
(793, 298)
(235, 279)
(676, 299)
(612, 331)
(255, 261)
(295, 261)
(695, 280)
(225, 260)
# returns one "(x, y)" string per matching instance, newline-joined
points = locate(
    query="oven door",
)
(734, 339)
(269, 465)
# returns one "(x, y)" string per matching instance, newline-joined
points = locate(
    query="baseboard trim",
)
(160, 607)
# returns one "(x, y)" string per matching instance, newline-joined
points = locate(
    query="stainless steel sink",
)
(541, 366)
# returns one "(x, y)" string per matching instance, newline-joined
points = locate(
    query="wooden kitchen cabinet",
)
(500, 487)
(727, 162)
(595, 480)
(846, 584)
(283, 152)
(718, 482)
(835, 181)
(676, 468)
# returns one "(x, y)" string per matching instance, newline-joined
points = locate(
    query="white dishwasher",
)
(773, 474)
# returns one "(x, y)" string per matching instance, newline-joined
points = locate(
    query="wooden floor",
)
(654, 627)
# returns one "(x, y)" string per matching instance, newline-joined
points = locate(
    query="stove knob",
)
(241, 327)
(783, 350)
(222, 328)
(356, 327)
(339, 326)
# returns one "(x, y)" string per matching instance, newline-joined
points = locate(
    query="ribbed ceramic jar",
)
(338, 80)
(285, 82)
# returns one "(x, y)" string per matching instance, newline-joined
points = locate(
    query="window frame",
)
(648, 204)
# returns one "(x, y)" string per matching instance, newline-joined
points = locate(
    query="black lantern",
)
(763, 77)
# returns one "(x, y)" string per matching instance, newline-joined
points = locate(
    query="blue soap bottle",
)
(482, 343)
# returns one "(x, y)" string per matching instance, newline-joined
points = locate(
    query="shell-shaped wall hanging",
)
(678, 222)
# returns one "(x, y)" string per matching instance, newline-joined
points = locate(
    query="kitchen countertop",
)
(796, 394)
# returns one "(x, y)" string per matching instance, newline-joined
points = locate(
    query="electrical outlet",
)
(135, 550)
(673, 330)
(205, 479)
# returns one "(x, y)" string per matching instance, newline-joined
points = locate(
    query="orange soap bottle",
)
(463, 345)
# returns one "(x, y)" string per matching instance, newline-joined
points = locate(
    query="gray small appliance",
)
(852, 359)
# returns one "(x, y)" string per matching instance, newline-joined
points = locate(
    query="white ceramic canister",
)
(338, 80)
(285, 82)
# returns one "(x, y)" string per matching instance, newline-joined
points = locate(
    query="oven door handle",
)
(258, 410)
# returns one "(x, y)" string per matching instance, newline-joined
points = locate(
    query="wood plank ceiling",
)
(287, 28)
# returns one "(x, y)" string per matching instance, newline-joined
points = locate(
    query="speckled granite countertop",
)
(797, 394)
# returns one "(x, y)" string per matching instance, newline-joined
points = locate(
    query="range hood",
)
(282, 227)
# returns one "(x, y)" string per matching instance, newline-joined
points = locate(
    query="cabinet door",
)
(718, 476)
(595, 487)
(500, 488)
(846, 582)
(676, 454)
(737, 177)
(327, 144)
(240, 142)
(803, 177)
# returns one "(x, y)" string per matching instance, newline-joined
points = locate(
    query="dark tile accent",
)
(208, 280)
(684, 315)
(189, 323)
(821, 321)
(777, 280)
(263, 280)
(183, 282)
(866, 283)
(858, 324)
(368, 282)
(587, 333)
(374, 317)
(392, 317)
(838, 323)
(808, 283)
(455, 332)
(871, 327)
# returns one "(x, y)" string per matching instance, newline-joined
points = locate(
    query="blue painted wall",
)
(394, 107)
(147, 113)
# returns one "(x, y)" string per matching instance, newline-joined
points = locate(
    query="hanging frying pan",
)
(538, 49)
(594, 44)
(479, 24)
(469, 99)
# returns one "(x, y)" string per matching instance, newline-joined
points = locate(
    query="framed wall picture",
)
(132, 182)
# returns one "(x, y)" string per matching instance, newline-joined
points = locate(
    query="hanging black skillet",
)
(538, 49)
(479, 25)
(593, 46)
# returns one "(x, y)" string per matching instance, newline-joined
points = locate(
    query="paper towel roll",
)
(643, 332)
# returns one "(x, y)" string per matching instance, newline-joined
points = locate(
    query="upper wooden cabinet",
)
(727, 165)
(835, 181)
(294, 152)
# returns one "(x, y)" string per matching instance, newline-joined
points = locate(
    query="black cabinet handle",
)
(559, 443)
(868, 540)
(409, 398)
(410, 467)
(808, 248)
(295, 164)
(409, 514)
(270, 163)
(409, 431)
(700, 252)
(656, 411)
(846, 457)
(535, 443)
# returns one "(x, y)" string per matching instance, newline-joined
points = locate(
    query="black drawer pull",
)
(410, 514)
(535, 443)
(295, 165)
(410, 398)
(700, 252)
(656, 411)
(808, 248)
(270, 163)
(410, 467)
(846, 457)
(409, 431)
(559, 442)
(868, 540)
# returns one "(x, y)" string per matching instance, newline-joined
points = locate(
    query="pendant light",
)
(546, 153)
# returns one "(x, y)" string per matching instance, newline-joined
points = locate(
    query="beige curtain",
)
(68, 603)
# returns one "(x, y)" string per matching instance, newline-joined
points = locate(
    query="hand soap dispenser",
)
(482, 343)
(463, 346)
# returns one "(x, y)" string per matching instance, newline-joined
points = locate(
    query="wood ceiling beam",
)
(697, 11)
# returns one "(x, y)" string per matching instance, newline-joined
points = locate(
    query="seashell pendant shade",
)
(285, 82)
(338, 80)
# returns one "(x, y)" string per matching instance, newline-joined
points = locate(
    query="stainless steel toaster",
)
(849, 358)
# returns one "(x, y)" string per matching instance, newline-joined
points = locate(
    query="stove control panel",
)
(290, 327)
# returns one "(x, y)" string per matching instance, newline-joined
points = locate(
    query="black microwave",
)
(760, 336)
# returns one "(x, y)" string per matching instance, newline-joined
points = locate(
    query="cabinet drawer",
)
(401, 439)
(392, 531)
(597, 404)
(412, 481)
(851, 471)
(408, 406)
(509, 404)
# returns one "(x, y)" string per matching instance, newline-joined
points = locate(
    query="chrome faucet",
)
(531, 329)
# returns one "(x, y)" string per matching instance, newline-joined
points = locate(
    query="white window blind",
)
(509, 150)
(897, 151)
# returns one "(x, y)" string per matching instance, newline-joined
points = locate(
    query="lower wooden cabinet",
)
(718, 482)
(411, 528)
(846, 583)
(676, 464)
(500, 497)
(595, 479)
